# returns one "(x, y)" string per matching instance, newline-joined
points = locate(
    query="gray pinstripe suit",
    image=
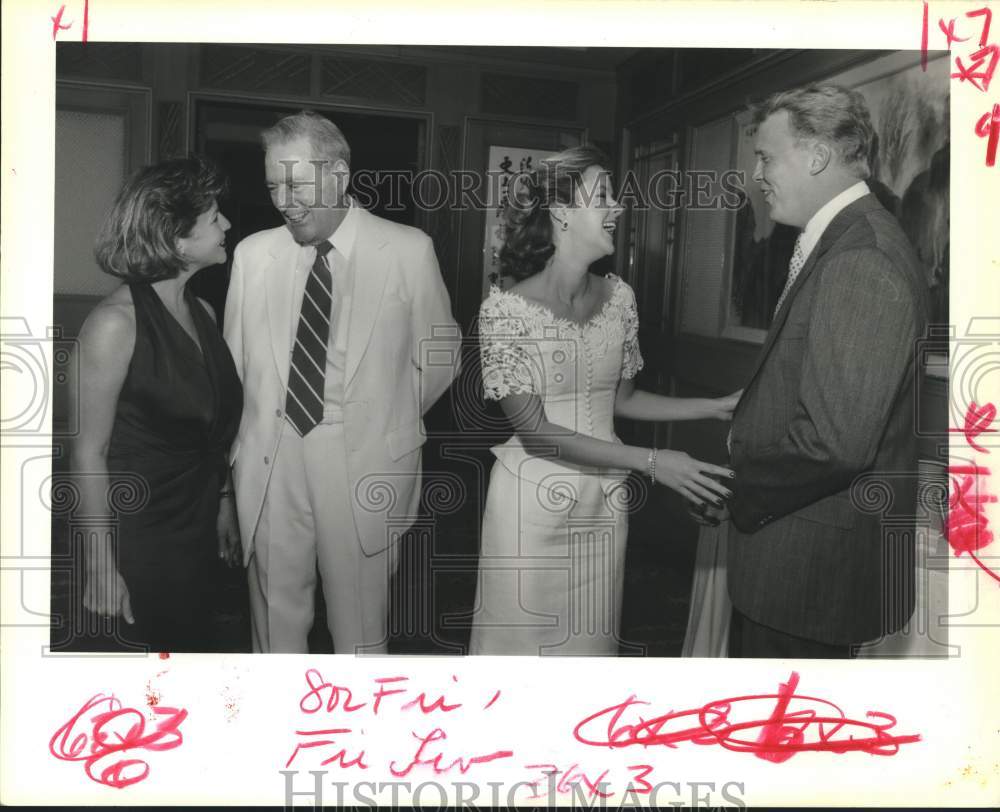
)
(831, 398)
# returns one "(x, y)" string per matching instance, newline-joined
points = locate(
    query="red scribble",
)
(382, 692)
(570, 777)
(95, 737)
(977, 421)
(645, 787)
(949, 32)
(988, 126)
(967, 526)
(464, 763)
(340, 756)
(438, 704)
(489, 704)
(988, 14)
(57, 24)
(164, 655)
(923, 40)
(152, 696)
(312, 702)
(977, 75)
(779, 735)
(86, 20)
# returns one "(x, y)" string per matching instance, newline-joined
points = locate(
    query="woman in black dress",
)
(159, 402)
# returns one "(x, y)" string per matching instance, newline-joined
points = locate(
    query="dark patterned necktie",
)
(796, 264)
(304, 404)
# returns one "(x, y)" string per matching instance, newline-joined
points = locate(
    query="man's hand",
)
(708, 514)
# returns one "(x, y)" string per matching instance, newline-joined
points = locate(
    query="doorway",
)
(228, 132)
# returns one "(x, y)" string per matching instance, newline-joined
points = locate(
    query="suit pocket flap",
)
(835, 510)
(401, 441)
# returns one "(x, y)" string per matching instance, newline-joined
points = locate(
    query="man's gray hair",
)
(830, 113)
(326, 138)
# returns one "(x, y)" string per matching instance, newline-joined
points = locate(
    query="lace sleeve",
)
(506, 362)
(631, 357)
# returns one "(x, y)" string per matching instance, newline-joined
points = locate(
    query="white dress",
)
(552, 554)
(709, 610)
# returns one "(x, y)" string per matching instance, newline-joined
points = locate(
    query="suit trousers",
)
(747, 638)
(307, 522)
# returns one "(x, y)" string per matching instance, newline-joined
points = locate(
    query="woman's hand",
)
(707, 514)
(692, 478)
(105, 594)
(727, 405)
(227, 528)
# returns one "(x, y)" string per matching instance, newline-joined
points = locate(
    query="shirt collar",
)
(343, 238)
(820, 220)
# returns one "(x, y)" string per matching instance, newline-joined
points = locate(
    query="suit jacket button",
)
(277, 412)
(267, 460)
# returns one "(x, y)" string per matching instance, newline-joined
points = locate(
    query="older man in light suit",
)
(342, 332)
(811, 573)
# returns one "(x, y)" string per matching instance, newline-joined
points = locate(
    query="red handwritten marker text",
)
(102, 732)
(967, 528)
(976, 67)
(796, 723)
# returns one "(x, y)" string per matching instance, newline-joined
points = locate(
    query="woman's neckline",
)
(598, 314)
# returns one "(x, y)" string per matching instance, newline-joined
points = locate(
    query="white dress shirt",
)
(820, 220)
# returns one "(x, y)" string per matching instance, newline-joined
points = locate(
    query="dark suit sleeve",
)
(859, 350)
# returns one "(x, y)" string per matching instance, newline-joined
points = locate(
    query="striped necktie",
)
(304, 404)
(797, 262)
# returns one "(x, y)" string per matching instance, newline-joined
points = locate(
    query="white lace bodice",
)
(574, 368)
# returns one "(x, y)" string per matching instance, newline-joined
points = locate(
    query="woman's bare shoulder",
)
(110, 326)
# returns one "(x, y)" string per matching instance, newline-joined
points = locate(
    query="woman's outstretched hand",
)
(727, 405)
(693, 479)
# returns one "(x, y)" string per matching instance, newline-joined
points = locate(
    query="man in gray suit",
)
(831, 398)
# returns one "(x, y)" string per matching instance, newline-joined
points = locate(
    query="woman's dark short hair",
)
(528, 242)
(157, 205)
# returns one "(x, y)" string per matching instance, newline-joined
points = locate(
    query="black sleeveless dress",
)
(176, 418)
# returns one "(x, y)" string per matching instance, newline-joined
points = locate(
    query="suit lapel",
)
(371, 270)
(279, 285)
(844, 219)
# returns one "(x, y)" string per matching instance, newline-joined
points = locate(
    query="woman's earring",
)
(563, 225)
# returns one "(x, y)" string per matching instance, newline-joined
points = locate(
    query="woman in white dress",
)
(560, 351)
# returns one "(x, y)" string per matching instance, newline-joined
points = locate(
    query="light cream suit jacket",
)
(402, 354)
